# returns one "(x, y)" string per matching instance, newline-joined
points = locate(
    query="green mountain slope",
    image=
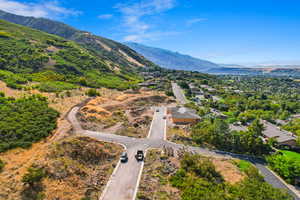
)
(31, 55)
(172, 60)
(116, 55)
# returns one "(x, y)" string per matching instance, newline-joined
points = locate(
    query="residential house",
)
(183, 115)
(284, 138)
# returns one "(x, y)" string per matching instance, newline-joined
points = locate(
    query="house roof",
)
(184, 113)
(272, 131)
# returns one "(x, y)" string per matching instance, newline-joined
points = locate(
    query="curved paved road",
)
(124, 181)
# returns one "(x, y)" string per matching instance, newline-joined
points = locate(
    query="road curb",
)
(150, 130)
(139, 177)
(113, 173)
(283, 182)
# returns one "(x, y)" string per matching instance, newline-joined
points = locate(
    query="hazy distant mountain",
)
(267, 71)
(172, 60)
(231, 65)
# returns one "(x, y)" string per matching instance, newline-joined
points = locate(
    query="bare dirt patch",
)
(180, 134)
(228, 170)
(130, 59)
(125, 114)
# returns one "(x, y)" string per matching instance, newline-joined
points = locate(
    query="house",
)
(208, 88)
(183, 115)
(218, 113)
(284, 138)
(147, 84)
(195, 90)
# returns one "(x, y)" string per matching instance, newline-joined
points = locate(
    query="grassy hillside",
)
(116, 55)
(31, 55)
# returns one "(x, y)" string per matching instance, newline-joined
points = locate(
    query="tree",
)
(92, 92)
(34, 175)
(256, 128)
(1, 165)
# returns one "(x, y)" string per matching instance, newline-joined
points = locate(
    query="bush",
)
(92, 92)
(34, 175)
(55, 86)
(1, 165)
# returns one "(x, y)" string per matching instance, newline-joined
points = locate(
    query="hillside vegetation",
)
(197, 178)
(30, 55)
(24, 121)
(116, 55)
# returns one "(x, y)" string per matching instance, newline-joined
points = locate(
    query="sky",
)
(246, 32)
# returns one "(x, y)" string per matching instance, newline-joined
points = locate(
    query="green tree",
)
(92, 92)
(33, 176)
(2, 164)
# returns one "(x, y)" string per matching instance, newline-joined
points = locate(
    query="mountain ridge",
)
(115, 54)
(172, 60)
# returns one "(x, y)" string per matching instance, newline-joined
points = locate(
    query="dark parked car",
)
(124, 157)
(139, 155)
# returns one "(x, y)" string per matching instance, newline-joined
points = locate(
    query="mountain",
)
(266, 71)
(29, 55)
(116, 55)
(172, 60)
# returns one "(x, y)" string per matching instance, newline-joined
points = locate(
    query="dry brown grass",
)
(74, 186)
(228, 170)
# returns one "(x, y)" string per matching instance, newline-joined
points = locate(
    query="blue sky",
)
(224, 31)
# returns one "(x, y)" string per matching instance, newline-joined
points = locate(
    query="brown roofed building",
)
(283, 137)
(183, 115)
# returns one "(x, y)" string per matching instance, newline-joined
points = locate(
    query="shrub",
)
(34, 175)
(92, 92)
(4, 34)
(1, 165)
(55, 86)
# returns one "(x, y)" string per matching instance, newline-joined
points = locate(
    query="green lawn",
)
(242, 165)
(291, 154)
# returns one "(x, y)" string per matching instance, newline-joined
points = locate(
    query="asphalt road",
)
(124, 181)
(158, 125)
(179, 94)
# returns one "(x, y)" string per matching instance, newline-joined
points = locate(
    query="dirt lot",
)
(159, 167)
(76, 167)
(126, 114)
(180, 134)
(154, 184)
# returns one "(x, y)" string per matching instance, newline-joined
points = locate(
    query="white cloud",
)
(191, 22)
(105, 16)
(154, 35)
(47, 9)
(134, 18)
